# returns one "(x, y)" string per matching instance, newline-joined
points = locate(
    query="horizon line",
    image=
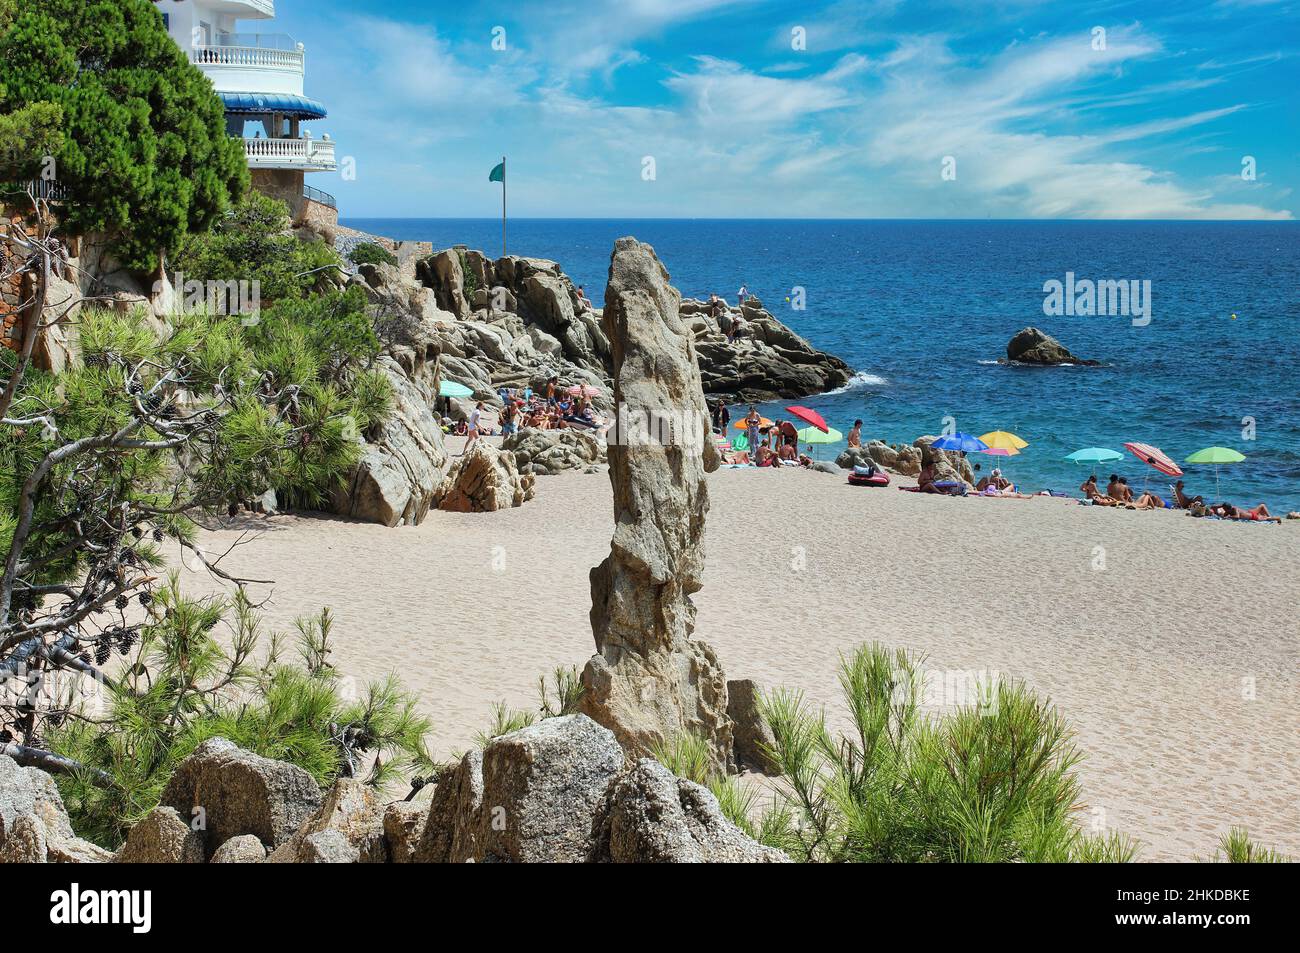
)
(705, 218)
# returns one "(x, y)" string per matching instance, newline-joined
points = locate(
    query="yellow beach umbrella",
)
(1003, 440)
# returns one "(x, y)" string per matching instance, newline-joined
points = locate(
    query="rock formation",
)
(34, 825)
(1032, 346)
(484, 480)
(650, 679)
(547, 452)
(163, 837)
(239, 792)
(404, 463)
(650, 816)
(767, 361)
(908, 459)
(753, 736)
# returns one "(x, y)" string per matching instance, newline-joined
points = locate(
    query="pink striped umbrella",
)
(1154, 457)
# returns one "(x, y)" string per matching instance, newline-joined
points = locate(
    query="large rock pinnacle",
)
(651, 680)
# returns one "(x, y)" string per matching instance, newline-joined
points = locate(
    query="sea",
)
(924, 309)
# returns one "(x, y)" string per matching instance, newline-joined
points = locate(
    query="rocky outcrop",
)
(908, 459)
(404, 462)
(351, 812)
(753, 735)
(452, 827)
(244, 849)
(484, 480)
(767, 361)
(1032, 346)
(547, 452)
(650, 679)
(236, 792)
(34, 825)
(162, 838)
(650, 816)
(558, 792)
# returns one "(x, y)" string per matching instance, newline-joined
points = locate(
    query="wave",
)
(860, 381)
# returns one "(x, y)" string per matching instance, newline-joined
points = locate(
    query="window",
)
(167, 22)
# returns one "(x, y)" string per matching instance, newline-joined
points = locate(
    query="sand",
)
(1170, 644)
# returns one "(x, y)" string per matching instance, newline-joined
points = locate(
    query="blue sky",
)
(1039, 120)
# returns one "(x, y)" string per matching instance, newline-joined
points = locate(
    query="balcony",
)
(310, 155)
(239, 62)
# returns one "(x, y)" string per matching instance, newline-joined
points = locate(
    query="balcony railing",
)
(319, 197)
(316, 155)
(248, 57)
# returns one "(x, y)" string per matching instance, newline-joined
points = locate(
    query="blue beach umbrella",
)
(963, 442)
(1095, 455)
(452, 389)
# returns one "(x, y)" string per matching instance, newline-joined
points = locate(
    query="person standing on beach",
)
(855, 435)
(752, 421)
(475, 421)
(742, 294)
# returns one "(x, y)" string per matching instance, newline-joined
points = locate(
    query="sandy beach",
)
(1176, 663)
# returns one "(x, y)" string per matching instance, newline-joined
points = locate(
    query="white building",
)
(259, 76)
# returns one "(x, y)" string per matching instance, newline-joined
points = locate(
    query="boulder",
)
(403, 464)
(651, 816)
(327, 847)
(162, 838)
(403, 825)
(541, 787)
(32, 792)
(27, 842)
(547, 452)
(754, 738)
(244, 849)
(651, 680)
(350, 809)
(1032, 346)
(237, 792)
(451, 827)
(484, 480)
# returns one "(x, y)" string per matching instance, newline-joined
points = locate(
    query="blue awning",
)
(285, 103)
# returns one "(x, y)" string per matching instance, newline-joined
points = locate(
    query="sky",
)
(760, 109)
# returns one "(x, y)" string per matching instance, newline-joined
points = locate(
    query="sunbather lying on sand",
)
(1149, 501)
(1089, 490)
(1259, 514)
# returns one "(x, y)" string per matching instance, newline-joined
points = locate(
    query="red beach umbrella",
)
(810, 417)
(1154, 457)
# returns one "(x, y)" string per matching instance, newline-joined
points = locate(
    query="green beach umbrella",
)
(1095, 455)
(1217, 456)
(815, 436)
(452, 389)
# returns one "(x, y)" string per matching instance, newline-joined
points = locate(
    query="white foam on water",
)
(860, 381)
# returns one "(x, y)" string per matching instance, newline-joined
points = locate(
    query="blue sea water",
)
(923, 309)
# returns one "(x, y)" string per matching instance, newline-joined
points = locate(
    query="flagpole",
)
(503, 206)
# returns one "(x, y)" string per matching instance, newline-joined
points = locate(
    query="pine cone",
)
(121, 602)
(103, 651)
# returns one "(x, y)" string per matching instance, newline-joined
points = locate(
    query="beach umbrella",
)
(1095, 455)
(962, 442)
(585, 390)
(815, 436)
(810, 417)
(1003, 440)
(763, 424)
(452, 389)
(1217, 456)
(1155, 458)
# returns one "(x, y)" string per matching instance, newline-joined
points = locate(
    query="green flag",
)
(498, 174)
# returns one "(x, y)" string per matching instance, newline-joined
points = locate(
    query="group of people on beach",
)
(1118, 493)
(556, 408)
(766, 444)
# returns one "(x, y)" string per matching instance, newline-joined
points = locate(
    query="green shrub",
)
(369, 253)
(181, 687)
(1236, 847)
(992, 782)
